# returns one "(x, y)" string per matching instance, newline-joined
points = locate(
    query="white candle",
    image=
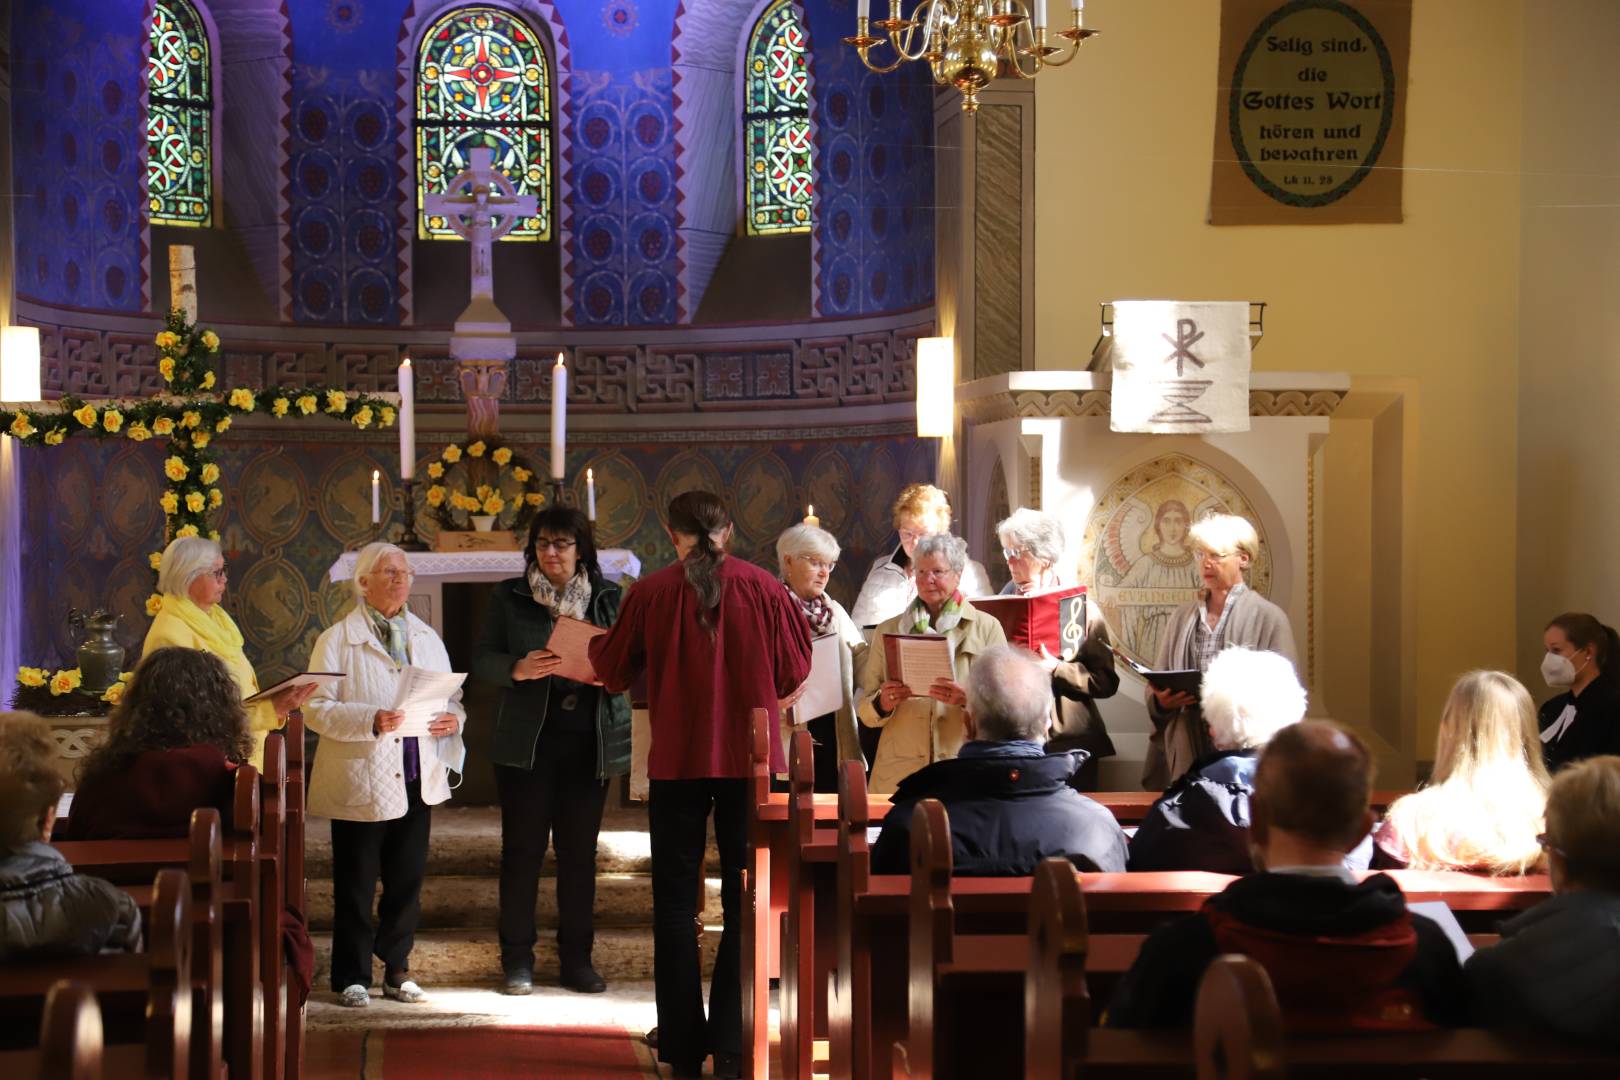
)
(559, 417)
(810, 515)
(407, 420)
(1040, 12)
(376, 500)
(590, 494)
(861, 11)
(1077, 5)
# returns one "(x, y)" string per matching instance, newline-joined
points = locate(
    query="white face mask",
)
(1558, 671)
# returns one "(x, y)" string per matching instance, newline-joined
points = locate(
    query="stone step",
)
(472, 958)
(452, 902)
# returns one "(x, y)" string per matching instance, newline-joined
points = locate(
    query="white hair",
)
(804, 539)
(954, 548)
(1038, 533)
(1009, 696)
(186, 559)
(367, 560)
(1223, 534)
(1248, 696)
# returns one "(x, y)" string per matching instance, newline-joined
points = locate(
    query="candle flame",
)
(560, 361)
(810, 510)
(589, 475)
(376, 474)
(405, 361)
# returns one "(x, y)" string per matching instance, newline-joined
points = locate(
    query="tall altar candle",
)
(559, 417)
(376, 501)
(861, 11)
(590, 494)
(407, 420)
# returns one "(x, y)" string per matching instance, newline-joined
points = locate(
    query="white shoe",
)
(407, 992)
(354, 996)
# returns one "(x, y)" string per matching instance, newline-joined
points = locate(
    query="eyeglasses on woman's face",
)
(560, 546)
(820, 566)
(220, 574)
(393, 574)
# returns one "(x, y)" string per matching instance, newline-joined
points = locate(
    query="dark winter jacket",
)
(1557, 969)
(1202, 822)
(1010, 806)
(48, 911)
(1341, 956)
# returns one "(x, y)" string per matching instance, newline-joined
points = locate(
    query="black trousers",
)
(361, 852)
(824, 733)
(678, 814)
(558, 801)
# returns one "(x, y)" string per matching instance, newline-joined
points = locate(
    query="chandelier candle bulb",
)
(1040, 12)
(590, 494)
(376, 500)
(810, 515)
(559, 415)
(407, 420)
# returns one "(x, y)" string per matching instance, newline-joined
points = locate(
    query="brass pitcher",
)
(101, 658)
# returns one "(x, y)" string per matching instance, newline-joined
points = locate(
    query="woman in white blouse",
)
(377, 785)
(921, 510)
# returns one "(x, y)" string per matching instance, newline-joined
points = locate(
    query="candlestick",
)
(376, 501)
(408, 540)
(590, 494)
(559, 416)
(810, 516)
(407, 420)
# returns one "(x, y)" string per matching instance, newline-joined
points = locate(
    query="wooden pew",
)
(70, 1043)
(272, 834)
(149, 992)
(295, 876)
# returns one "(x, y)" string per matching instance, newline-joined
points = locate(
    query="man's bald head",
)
(1315, 781)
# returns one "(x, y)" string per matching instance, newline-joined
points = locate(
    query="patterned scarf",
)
(573, 601)
(394, 634)
(817, 611)
(949, 615)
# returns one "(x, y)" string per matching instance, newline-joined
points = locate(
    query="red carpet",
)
(552, 1053)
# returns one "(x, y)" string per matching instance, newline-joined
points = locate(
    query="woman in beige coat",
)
(917, 729)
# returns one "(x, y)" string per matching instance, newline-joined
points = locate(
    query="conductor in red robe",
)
(716, 638)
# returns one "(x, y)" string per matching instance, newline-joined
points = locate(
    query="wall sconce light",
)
(19, 363)
(936, 387)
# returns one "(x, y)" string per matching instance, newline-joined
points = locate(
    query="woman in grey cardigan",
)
(1226, 613)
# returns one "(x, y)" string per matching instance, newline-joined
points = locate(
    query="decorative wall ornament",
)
(1004, 406)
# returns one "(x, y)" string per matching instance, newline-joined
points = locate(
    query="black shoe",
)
(582, 978)
(728, 1066)
(651, 1038)
(518, 983)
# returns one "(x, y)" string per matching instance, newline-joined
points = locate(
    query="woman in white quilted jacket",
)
(374, 784)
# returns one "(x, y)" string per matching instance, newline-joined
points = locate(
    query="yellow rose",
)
(190, 418)
(521, 475)
(154, 603)
(476, 449)
(435, 495)
(164, 339)
(64, 682)
(243, 399)
(307, 404)
(494, 504)
(31, 676)
(20, 427)
(171, 505)
(175, 469)
(139, 432)
(156, 559)
(208, 381)
(223, 425)
(387, 416)
(213, 534)
(86, 415)
(336, 401)
(195, 501)
(112, 420)
(215, 499)
(483, 491)
(54, 437)
(501, 456)
(201, 439)
(166, 368)
(185, 530)
(435, 470)
(113, 693)
(362, 419)
(452, 453)
(163, 425)
(279, 406)
(209, 473)
(534, 498)
(210, 340)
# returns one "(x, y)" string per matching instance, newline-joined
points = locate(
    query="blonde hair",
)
(1583, 821)
(1484, 804)
(29, 782)
(1223, 534)
(1248, 696)
(925, 504)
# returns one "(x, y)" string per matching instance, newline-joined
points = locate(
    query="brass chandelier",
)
(969, 42)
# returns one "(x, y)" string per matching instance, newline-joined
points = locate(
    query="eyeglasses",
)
(221, 575)
(1214, 556)
(393, 575)
(935, 575)
(1015, 553)
(559, 546)
(1547, 845)
(911, 536)
(818, 565)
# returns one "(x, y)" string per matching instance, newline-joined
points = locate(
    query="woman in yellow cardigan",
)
(191, 577)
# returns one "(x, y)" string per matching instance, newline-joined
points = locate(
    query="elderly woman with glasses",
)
(374, 783)
(1033, 544)
(808, 555)
(556, 745)
(920, 510)
(191, 584)
(1225, 613)
(921, 729)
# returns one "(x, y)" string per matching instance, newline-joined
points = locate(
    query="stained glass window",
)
(179, 117)
(776, 124)
(482, 80)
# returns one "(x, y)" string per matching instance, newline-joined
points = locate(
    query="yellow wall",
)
(1123, 142)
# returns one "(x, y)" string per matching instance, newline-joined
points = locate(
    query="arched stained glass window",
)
(779, 181)
(482, 80)
(179, 117)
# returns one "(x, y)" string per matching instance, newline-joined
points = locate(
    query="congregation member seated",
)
(1033, 543)
(46, 910)
(1341, 954)
(919, 729)
(1583, 720)
(1482, 808)
(1010, 802)
(173, 744)
(1558, 965)
(920, 510)
(1202, 822)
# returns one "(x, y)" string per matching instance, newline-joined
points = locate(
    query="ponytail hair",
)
(1583, 630)
(702, 515)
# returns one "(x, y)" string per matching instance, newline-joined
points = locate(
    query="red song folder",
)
(1055, 618)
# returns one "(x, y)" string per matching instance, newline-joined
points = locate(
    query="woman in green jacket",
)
(557, 743)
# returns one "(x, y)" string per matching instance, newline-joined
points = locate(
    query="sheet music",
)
(922, 662)
(824, 689)
(1440, 912)
(323, 680)
(571, 642)
(422, 695)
